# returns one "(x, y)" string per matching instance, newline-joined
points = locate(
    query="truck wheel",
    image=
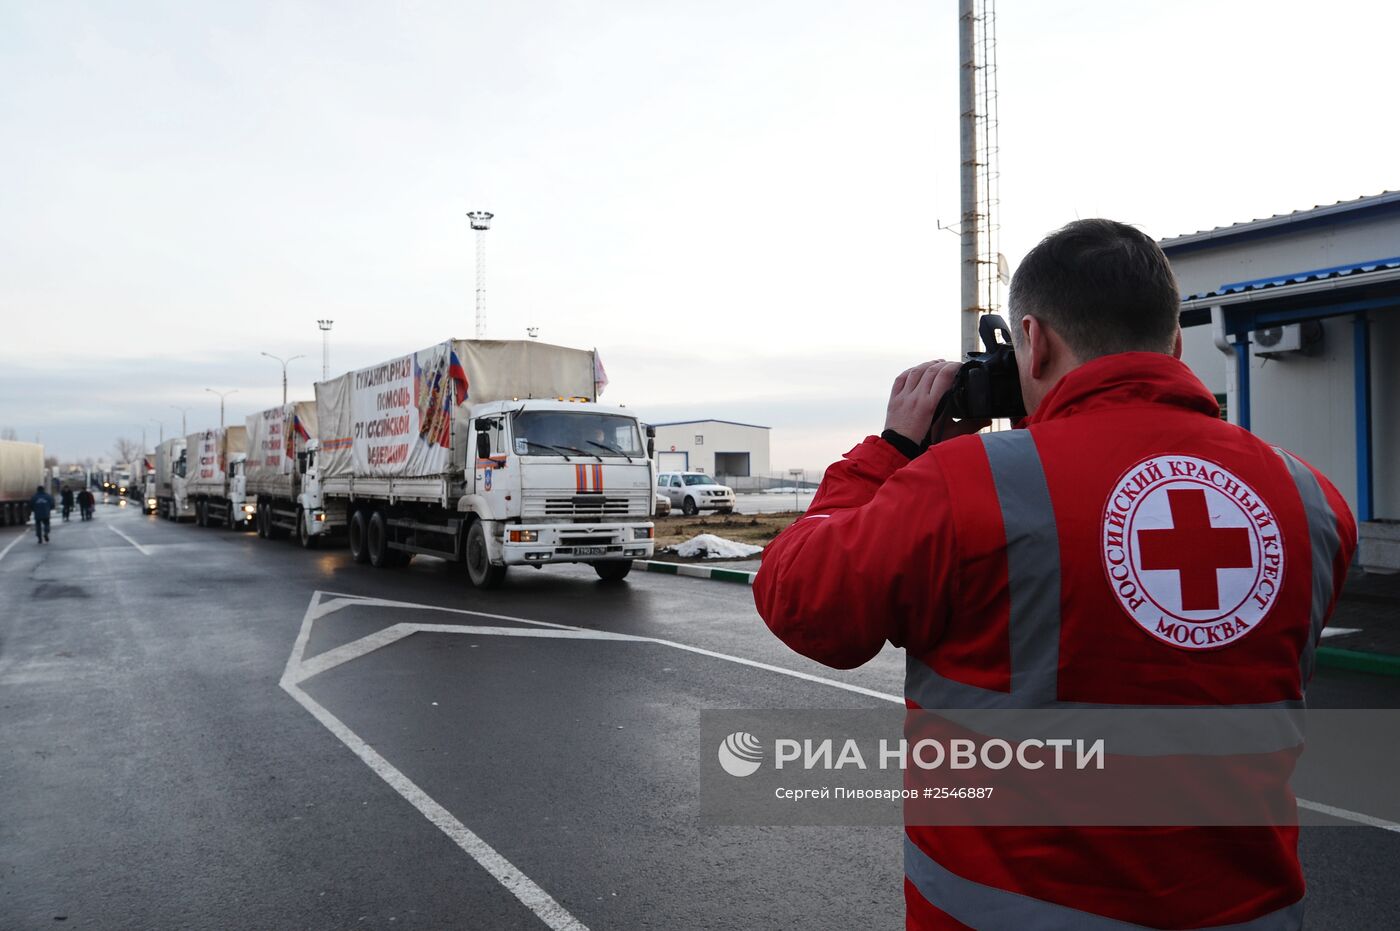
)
(478, 557)
(201, 514)
(689, 508)
(359, 532)
(260, 522)
(613, 570)
(307, 541)
(380, 555)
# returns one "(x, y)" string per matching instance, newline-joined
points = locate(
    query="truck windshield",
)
(575, 432)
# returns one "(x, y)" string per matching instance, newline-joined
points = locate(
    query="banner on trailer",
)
(401, 420)
(205, 464)
(276, 436)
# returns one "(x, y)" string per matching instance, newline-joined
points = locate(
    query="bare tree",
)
(125, 450)
(8, 433)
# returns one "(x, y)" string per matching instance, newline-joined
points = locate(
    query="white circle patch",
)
(1192, 553)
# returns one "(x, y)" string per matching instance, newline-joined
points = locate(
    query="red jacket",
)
(1127, 548)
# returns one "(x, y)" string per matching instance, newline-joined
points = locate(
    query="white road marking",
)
(11, 545)
(502, 870)
(1339, 631)
(1356, 816)
(139, 548)
(507, 874)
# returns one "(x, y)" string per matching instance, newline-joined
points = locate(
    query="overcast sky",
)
(735, 202)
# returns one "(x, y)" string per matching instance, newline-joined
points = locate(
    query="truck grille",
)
(562, 506)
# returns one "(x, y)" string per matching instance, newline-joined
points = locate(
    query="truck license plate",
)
(590, 551)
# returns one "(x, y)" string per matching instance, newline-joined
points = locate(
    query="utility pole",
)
(325, 326)
(481, 222)
(284, 374)
(224, 394)
(184, 428)
(980, 269)
(161, 424)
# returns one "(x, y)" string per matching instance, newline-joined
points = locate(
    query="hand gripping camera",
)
(988, 385)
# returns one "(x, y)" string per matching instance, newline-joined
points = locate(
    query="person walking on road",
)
(1123, 548)
(41, 505)
(86, 502)
(65, 497)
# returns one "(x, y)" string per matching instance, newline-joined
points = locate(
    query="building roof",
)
(735, 423)
(1317, 274)
(1319, 215)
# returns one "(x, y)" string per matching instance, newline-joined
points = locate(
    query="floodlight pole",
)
(481, 222)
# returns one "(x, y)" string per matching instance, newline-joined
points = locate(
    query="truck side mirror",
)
(651, 448)
(483, 445)
(301, 463)
(651, 432)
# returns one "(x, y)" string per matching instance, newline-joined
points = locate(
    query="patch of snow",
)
(712, 547)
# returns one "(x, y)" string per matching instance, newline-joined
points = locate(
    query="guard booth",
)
(1290, 321)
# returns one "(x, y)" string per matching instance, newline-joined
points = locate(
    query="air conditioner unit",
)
(1277, 341)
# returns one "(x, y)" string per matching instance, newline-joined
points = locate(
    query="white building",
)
(1294, 322)
(722, 448)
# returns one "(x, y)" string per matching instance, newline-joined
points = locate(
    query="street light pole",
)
(222, 395)
(160, 424)
(184, 427)
(284, 371)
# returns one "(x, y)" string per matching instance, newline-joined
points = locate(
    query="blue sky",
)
(735, 202)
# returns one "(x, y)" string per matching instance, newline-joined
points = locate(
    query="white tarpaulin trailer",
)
(207, 457)
(21, 471)
(275, 437)
(397, 419)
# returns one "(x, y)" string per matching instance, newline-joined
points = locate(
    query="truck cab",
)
(560, 481)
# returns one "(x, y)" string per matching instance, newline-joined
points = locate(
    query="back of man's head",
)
(1103, 286)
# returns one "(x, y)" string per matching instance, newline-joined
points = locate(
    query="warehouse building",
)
(736, 453)
(1294, 322)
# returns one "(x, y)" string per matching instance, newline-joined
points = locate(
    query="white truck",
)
(172, 502)
(493, 453)
(215, 479)
(278, 440)
(21, 472)
(144, 480)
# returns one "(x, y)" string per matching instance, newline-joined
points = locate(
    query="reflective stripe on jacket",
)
(1093, 560)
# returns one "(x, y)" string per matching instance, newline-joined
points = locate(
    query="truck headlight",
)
(250, 509)
(643, 533)
(524, 536)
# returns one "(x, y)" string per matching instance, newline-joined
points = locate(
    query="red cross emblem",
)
(1191, 551)
(1195, 549)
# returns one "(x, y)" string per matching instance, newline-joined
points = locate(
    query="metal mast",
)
(325, 326)
(967, 148)
(978, 137)
(481, 222)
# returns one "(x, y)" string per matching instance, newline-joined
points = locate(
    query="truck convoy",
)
(491, 453)
(21, 471)
(171, 501)
(214, 478)
(277, 447)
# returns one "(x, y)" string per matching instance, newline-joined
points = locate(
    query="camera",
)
(988, 386)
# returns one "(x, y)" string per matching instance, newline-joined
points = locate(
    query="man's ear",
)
(1176, 346)
(1036, 342)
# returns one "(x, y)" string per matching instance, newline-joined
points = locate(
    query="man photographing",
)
(1126, 548)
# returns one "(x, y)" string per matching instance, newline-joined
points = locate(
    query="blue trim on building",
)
(1242, 381)
(1361, 209)
(1361, 361)
(1315, 274)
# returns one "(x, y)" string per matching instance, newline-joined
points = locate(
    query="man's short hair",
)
(1103, 286)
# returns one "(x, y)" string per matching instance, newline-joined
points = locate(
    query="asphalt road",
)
(198, 734)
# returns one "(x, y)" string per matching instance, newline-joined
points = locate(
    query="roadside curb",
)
(718, 573)
(1380, 664)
